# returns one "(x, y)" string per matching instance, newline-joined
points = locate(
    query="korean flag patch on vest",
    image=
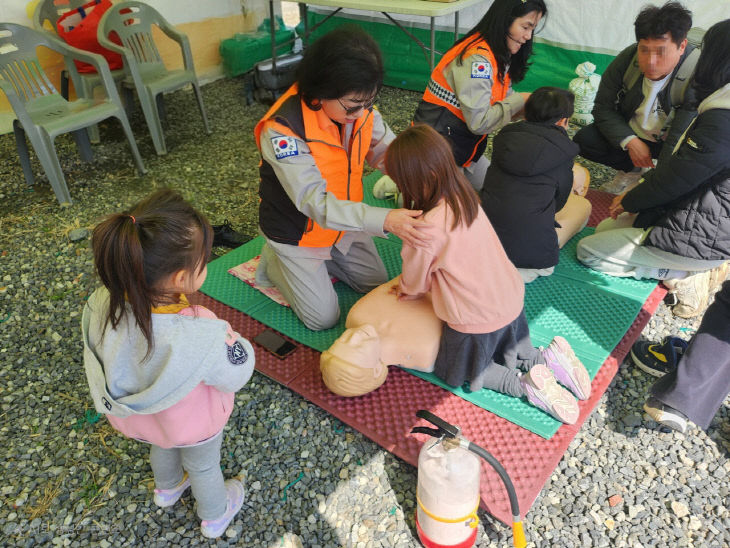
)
(284, 146)
(481, 69)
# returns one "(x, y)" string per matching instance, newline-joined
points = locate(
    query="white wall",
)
(175, 11)
(604, 26)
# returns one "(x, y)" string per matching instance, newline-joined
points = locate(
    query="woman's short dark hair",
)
(549, 104)
(655, 22)
(493, 28)
(345, 60)
(713, 67)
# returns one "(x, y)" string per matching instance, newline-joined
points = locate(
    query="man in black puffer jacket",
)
(529, 182)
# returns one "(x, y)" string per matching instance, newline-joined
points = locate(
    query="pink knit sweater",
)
(474, 286)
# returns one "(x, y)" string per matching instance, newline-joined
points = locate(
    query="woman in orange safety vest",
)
(470, 92)
(314, 142)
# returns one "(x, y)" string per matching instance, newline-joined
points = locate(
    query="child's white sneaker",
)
(168, 497)
(214, 528)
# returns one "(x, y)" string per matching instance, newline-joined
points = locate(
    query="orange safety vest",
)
(341, 168)
(479, 47)
(465, 144)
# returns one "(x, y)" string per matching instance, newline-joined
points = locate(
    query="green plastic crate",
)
(241, 52)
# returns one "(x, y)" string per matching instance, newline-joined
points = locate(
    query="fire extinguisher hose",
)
(518, 532)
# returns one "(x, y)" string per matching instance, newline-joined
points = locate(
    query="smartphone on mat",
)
(275, 343)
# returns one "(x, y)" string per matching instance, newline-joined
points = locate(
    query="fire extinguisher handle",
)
(445, 429)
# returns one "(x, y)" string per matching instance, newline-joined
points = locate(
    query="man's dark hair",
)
(345, 60)
(655, 22)
(713, 66)
(549, 104)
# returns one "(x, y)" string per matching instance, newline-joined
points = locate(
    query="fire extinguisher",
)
(448, 488)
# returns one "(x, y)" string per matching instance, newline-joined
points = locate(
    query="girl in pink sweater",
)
(475, 289)
(165, 372)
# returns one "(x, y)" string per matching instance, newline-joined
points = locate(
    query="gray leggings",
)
(203, 465)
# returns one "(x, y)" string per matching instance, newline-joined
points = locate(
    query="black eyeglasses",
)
(349, 111)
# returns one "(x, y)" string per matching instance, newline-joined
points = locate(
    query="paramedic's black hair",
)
(713, 67)
(494, 27)
(549, 104)
(345, 60)
(655, 22)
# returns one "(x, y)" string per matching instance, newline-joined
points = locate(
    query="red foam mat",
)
(600, 202)
(387, 415)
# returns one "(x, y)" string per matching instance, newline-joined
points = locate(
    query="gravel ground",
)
(69, 480)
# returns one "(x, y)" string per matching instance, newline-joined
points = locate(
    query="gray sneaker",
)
(691, 293)
(621, 181)
(665, 415)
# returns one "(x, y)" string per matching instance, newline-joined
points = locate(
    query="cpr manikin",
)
(381, 331)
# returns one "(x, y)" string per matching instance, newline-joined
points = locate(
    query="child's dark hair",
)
(345, 60)
(494, 27)
(713, 66)
(655, 22)
(136, 251)
(549, 104)
(421, 163)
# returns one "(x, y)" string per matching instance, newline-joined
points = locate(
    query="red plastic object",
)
(428, 543)
(387, 415)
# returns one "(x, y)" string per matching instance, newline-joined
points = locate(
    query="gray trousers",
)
(476, 172)
(701, 381)
(303, 275)
(203, 465)
(616, 249)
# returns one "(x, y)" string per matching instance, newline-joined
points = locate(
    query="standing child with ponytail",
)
(165, 372)
(474, 287)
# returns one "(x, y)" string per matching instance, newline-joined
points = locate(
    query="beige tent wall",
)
(205, 22)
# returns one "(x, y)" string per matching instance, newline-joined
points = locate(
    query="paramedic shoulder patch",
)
(284, 146)
(237, 354)
(481, 69)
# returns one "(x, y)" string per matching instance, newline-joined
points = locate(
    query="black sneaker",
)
(658, 359)
(225, 236)
(665, 415)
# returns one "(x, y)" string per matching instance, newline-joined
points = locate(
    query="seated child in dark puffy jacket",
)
(532, 192)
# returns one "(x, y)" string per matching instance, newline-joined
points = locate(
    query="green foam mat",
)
(591, 310)
(231, 291)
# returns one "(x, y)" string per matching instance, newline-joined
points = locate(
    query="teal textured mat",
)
(591, 310)
(229, 290)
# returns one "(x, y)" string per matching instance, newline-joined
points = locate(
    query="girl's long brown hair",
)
(135, 252)
(421, 163)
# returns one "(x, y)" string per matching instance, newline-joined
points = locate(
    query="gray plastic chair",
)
(50, 11)
(42, 113)
(132, 21)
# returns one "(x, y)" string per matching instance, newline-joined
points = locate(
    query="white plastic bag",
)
(584, 88)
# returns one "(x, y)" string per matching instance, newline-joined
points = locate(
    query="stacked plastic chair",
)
(46, 14)
(42, 113)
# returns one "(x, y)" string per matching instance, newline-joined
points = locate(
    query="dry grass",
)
(50, 492)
